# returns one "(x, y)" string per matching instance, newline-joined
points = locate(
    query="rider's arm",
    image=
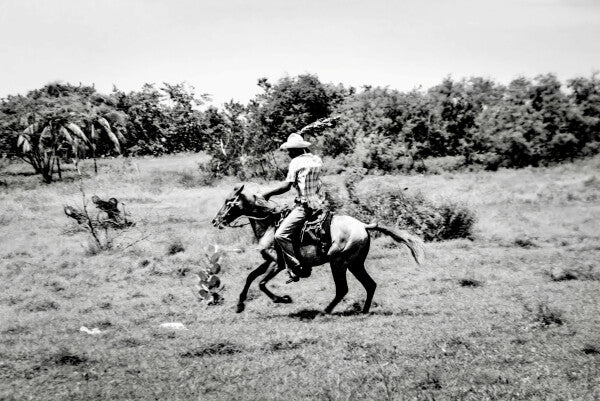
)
(281, 189)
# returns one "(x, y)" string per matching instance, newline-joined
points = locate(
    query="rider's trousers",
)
(290, 225)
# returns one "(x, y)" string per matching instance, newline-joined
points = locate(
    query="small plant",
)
(525, 242)
(208, 284)
(175, 247)
(101, 225)
(546, 316)
(470, 282)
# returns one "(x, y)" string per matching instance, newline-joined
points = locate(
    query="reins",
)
(233, 224)
(245, 224)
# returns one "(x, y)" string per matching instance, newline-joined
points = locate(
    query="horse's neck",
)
(260, 227)
(262, 218)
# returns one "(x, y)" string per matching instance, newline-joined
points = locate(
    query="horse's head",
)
(231, 209)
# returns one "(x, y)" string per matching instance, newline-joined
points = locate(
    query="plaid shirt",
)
(305, 174)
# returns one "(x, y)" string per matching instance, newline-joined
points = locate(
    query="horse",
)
(350, 244)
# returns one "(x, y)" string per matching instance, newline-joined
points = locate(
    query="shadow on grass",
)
(311, 314)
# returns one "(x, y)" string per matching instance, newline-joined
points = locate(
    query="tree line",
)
(467, 123)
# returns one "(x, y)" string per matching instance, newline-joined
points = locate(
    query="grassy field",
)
(513, 314)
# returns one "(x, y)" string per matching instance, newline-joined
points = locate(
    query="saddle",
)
(315, 231)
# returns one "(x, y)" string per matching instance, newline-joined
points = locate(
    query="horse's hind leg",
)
(357, 268)
(370, 285)
(272, 272)
(338, 270)
(251, 277)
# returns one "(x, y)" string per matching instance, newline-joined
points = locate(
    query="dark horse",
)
(350, 243)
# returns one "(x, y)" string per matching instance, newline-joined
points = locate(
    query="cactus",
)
(209, 284)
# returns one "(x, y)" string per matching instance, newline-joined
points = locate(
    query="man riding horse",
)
(279, 243)
(304, 174)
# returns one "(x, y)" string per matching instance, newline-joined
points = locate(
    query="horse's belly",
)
(310, 256)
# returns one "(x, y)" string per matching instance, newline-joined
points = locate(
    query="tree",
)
(583, 117)
(42, 141)
(243, 140)
(148, 122)
(50, 124)
(185, 133)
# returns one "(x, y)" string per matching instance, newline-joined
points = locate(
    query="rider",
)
(305, 175)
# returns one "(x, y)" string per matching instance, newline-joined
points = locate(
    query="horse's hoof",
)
(286, 299)
(240, 308)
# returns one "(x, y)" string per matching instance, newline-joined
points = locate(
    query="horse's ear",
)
(238, 190)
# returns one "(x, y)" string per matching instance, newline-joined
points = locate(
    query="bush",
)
(458, 221)
(411, 212)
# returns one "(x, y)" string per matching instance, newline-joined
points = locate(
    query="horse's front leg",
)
(272, 272)
(251, 277)
(271, 267)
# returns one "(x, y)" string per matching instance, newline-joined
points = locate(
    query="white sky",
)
(223, 46)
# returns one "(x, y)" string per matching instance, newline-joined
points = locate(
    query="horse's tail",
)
(414, 243)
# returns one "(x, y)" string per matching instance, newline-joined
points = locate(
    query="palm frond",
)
(23, 143)
(318, 126)
(46, 133)
(78, 132)
(31, 129)
(111, 135)
(22, 138)
(78, 146)
(93, 134)
(104, 124)
(120, 136)
(65, 134)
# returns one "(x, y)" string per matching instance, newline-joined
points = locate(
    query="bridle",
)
(225, 211)
(218, 220)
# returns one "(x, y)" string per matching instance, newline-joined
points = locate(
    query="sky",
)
(222, 47)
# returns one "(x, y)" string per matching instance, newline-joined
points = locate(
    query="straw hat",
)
(295, 141)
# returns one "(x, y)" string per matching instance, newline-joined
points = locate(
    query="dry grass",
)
(478, 321)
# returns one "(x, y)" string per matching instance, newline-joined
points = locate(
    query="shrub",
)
(411, 212)
(458, 221)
